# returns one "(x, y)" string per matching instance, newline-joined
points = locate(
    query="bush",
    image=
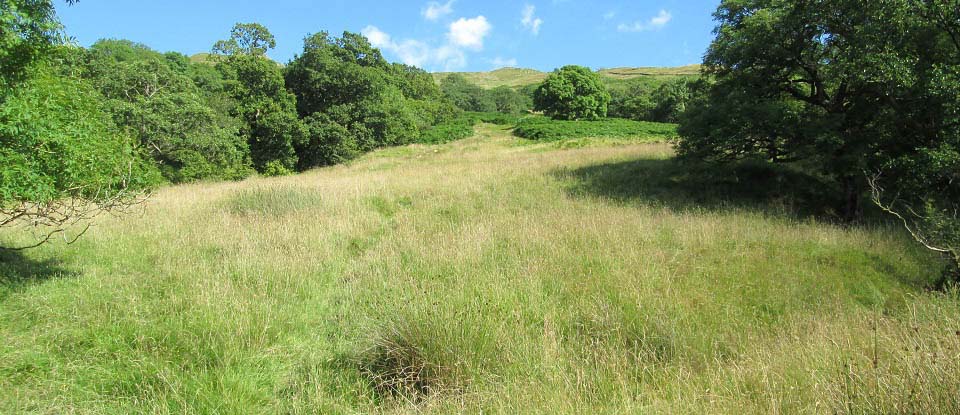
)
(328, 143)
(545, 129)
(455, 129)
(496, 118)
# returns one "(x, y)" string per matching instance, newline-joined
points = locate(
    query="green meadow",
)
(486, 275)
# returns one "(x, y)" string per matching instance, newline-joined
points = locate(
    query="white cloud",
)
(448, 56)
(376, 36)
(434, 10)
(469, 33)
(530, 20)
(499, 62)
(609, 15)
(655, 23)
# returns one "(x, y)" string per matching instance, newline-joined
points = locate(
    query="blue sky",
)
(461, 35)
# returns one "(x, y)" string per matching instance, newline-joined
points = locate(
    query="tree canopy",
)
(353, 100)
(851, 89)
(62, 159)
(572, 93)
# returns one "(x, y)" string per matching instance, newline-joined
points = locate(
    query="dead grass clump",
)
(404, 363)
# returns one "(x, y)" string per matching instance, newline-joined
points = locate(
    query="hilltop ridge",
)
(518, 77)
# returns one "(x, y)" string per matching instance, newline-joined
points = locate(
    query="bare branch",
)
(876, 194)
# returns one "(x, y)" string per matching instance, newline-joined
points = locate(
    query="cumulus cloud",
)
(435, 10)
(463, 35)
(499, 62)
(530, 20)
(469, 33)
(654, 23)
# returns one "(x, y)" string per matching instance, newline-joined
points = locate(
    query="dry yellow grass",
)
(485, 275)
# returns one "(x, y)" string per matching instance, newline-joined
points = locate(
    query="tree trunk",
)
(853, 195)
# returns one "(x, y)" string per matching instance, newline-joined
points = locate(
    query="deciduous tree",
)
(573, 93)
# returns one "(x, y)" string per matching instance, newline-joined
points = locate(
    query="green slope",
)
(518, 77)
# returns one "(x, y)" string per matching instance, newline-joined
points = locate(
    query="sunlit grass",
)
(485, 275)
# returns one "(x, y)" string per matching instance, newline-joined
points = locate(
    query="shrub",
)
(455, 129)
(496, 118)
(545, 129)
(328, 143)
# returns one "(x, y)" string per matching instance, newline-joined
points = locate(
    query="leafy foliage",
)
(572, 93)
(845, 86)
(362, 101)
(651, 99)
(56, 141)
(28, 31)
(545, 129)
(154, 98)
(62, 160)
(470, 97)
(451, 130)
(263, 104)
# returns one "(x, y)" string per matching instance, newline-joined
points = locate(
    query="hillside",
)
(518, 77)
(202, 58)
(488, 275)
(630, 73)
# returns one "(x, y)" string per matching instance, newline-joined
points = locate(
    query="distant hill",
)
(211, 59)
(202, 58)
(628, 73)
(517, 77)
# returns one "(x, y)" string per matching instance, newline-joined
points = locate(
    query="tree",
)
(62, 161)
(66, 162)
(265, 106)
(573, 93)
(861, 92)
(29, 29)
(363, 101)
(153, 98)
(465, 95)
(252, 39)
(509, 101)
(802, 64)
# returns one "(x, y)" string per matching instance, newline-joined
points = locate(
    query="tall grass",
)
(477, 277)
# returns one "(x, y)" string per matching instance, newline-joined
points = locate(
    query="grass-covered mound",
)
(481, 276)
(546, 129)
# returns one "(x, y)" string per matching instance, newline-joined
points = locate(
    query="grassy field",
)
(487, 275)
(517, 77)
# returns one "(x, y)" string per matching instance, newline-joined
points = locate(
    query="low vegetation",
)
(545, 129)
(482, 276)
(350, 235)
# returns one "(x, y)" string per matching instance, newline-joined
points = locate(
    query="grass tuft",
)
(274, 202)
(403, 364)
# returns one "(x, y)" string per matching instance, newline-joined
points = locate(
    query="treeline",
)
(241, 112)
(652, 99)
(470, 97)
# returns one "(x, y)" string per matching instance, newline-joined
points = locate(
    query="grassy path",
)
(484, 275)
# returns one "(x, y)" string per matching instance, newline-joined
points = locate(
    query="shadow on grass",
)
(682, 187)
(761, 187)
(17, 270)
